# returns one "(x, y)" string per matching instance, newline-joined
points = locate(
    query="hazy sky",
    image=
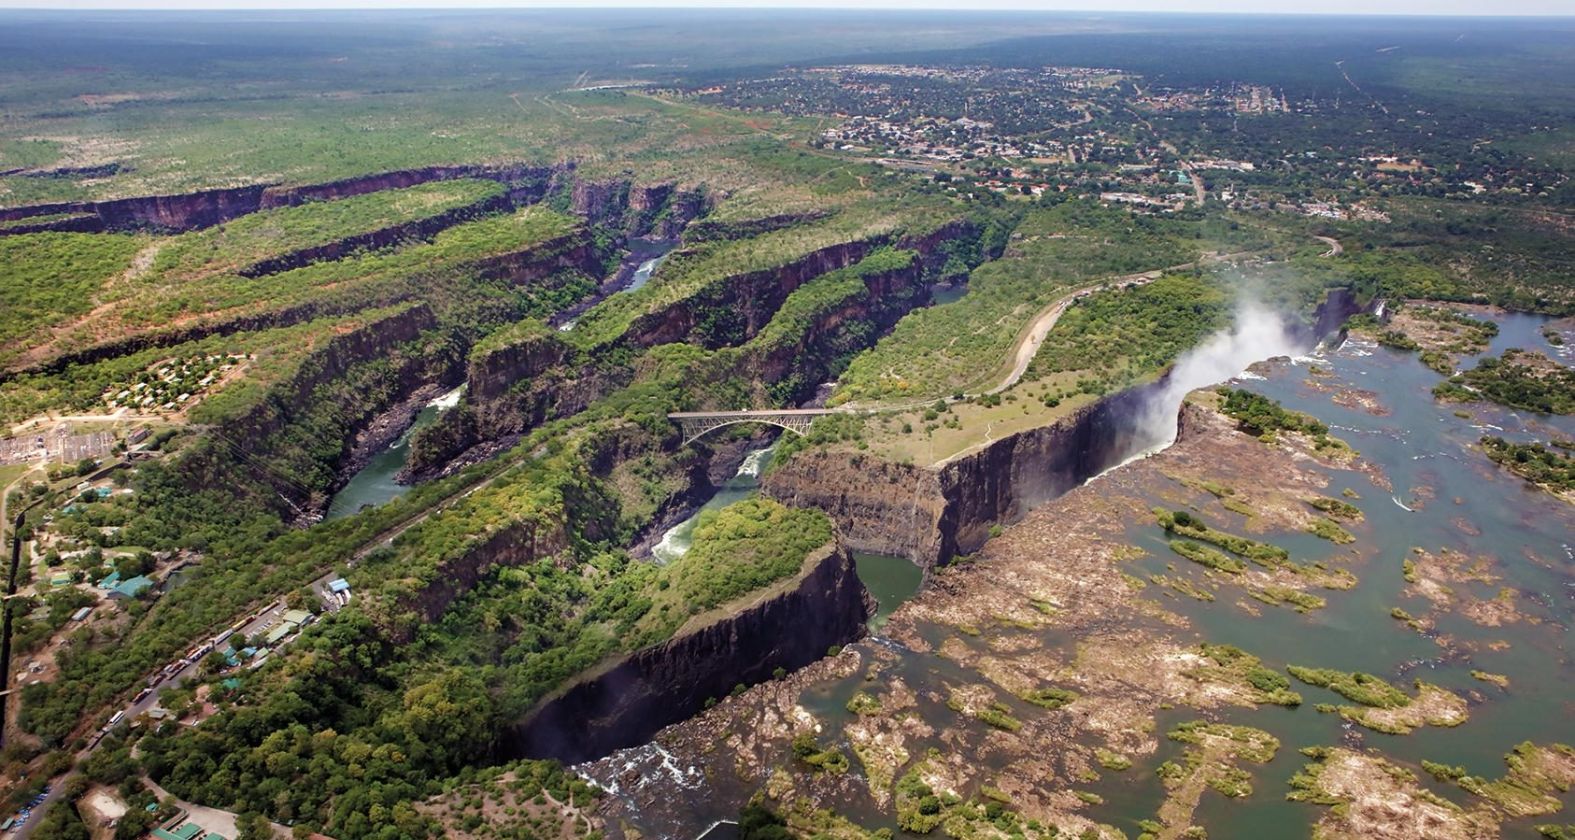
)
(1406, 7)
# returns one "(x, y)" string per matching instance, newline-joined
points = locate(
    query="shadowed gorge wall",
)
(630, 701)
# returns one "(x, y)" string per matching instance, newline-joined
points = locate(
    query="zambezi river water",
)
(1446, 494)
(374, 484)
(890, 580)
(1443, 493)
(650, 255)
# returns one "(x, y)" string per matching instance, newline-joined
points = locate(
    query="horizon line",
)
(830, 6)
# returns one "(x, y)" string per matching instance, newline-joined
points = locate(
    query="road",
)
(1197, 181)
(1335, 248)
(1045, 321)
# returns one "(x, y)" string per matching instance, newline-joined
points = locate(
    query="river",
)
(890, 580)
(374, 484)
(1445, 494)
(649, 254)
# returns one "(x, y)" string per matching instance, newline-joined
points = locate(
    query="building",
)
(129, 589)
(82, 614)
(274, 636)
(189, 831)
(339, 586)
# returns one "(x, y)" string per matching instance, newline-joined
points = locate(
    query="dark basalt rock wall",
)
(187, 211)
(881, 507)
(516, 544)
(1008, 478)
(629, 701)
(571, 251)
(933, 515)
(251, 442)
(205, 208)
(418, 229)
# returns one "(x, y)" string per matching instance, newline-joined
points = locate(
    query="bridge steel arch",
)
(697, 424)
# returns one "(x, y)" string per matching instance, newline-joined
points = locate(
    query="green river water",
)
(1445, 494)
(374, 484)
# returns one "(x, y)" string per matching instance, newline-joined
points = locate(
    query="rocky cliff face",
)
(627, 702)
(516, 544)
(575, 251)
(205, 208)
(258, 436)
(492, 373)
(1003, 481)
(187, 211)
(658, 211)
(418, 229)
(879, 506)
(931, 515)
(528, 180)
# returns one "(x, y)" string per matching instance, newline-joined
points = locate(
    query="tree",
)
(757, 822)
(253, 826)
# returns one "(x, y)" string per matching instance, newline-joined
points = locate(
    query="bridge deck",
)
(761, 412)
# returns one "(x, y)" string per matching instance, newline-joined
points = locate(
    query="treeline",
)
(1540, 464)
(1256, 414)
(1518, 379)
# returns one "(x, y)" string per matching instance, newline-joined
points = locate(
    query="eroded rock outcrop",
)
(205, 208)
(789, 626)
(930, 515)
(520, 542)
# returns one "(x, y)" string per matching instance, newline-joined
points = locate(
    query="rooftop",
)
(132, 588)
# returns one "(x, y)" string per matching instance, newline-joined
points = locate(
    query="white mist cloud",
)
(1257, 333)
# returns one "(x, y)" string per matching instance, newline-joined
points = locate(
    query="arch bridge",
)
(697, 424)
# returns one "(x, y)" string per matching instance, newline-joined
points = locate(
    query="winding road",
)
(1045, 321)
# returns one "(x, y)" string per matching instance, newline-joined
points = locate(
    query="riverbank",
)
(1069, 648)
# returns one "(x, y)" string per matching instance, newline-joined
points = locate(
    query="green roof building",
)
(129, 589)
(278, 633)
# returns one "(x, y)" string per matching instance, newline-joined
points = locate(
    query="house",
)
(339, 586)
(109, 582)
(82, 614)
